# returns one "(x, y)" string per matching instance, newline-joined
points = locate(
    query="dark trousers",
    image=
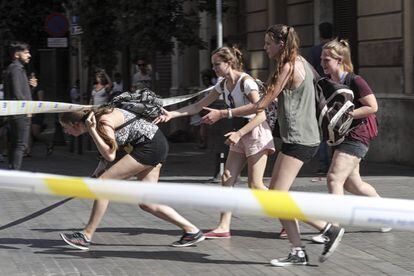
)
(19, 140)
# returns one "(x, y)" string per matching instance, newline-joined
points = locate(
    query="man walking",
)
(17, 87)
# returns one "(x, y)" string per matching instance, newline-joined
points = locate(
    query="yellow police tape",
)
(348, 210)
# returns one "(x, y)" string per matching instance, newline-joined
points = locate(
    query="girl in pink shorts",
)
(252, 140)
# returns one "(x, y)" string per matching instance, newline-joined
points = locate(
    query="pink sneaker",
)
(283, 234)
(214, 235)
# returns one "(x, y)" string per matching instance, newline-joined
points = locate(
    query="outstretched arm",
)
(214, 114)
(188, 110)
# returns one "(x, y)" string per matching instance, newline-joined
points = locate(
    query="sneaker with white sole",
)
(320, 239)
(334, 235)
(189, 239)
(295, 257)
(77, 240)
(385, 229)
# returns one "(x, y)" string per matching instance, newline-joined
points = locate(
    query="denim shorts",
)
(301, 152)
(352, 147)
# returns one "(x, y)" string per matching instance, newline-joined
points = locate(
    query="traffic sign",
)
(76, 30)
(56, 25)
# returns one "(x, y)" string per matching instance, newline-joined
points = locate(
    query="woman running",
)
(251, 141)
(292, 83)
(111, 128)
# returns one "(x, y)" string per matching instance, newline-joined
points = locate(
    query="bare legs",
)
(284, 173)
(235, 162)
(163, 211)
(123, 169)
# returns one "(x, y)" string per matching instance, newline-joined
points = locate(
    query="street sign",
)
(56, 25)
(76, 30)
(57, 42)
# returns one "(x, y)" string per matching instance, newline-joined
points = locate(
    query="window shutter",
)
(163, 69)
(345, 23)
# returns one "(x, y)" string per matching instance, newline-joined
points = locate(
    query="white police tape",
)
(182, 98)
(8, 108)
(347, 210)
(33, 107)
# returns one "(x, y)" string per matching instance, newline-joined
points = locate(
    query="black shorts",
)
(151, 152)
(301, 152)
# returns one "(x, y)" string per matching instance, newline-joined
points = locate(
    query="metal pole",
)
(221, 156)
(219, 24)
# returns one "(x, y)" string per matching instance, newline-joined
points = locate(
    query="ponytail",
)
(340, 49)
(288, 54)
(231, 55)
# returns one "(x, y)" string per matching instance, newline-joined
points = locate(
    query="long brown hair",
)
(80, 116)
(288, 53)
(231, 55)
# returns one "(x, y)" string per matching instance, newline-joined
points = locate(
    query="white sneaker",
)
(296, 257)
(321, 238)
(385, 229)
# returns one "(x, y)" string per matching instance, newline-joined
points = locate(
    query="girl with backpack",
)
(344, 171)
(292, 84)
(146, 147)
(251, 141)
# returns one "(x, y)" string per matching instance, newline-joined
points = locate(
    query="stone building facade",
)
(381, 36)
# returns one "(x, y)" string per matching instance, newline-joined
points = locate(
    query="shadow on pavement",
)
(182, 256)
(35, 214)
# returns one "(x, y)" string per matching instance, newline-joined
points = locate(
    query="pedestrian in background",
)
(38, 125)
(101, 89)
(18, 87)
(118, 86)
(74, 93)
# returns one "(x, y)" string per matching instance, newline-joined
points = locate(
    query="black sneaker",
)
(77, 240)
(334, 235)
(296, 257)
(321, 238)
(189, 239)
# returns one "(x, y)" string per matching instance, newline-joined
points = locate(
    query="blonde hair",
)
(340, 49)
(289, 52)
(72, 118)
(231, 55)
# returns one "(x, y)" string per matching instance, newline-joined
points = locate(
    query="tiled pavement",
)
(132, 242)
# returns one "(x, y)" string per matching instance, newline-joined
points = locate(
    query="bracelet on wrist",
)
(229, 114)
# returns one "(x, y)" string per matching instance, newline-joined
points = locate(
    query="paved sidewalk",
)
(132, 242)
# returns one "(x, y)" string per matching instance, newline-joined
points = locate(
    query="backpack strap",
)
(222, 83)
(349, 80)
(127, 123)
(243, 79)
